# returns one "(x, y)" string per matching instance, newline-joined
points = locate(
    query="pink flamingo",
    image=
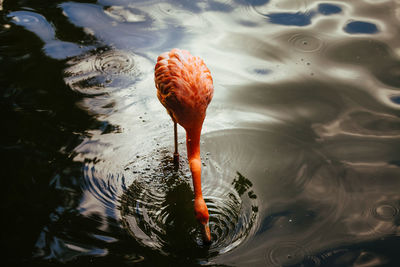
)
(185, 88)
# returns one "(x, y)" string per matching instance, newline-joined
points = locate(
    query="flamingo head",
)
(201, 213)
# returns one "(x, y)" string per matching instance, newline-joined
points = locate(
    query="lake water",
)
(300, 147)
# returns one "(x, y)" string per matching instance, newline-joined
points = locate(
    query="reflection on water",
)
(360, 27)
(300, 145)
(105, 71)
(329, 9)
(158, 210)
(44, 30)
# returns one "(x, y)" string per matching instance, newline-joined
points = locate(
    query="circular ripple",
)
(102, 184)
(285, 253)
(115, 62)
(378, 220)
(105, 71)
(157, 209)
(232, 213)
(305, 43)
(385, 211)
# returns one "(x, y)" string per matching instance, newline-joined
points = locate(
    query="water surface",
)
(300, 147)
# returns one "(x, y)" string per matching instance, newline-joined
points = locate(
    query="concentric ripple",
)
(105, 71)
(381, 218)
(233, 213)
(157, 209)
(305, 42)
(285, 254)
(386, 211)
(115, 62)
(149, 205)
(102, 184)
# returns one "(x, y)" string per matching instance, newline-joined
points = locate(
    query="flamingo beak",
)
(206, 234)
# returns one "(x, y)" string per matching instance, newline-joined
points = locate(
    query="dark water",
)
(300, 147)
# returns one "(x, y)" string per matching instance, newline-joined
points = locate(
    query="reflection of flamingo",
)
(185, 88)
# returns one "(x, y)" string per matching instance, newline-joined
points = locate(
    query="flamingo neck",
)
(193, 151)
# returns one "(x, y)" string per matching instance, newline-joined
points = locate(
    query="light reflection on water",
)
(300, 144)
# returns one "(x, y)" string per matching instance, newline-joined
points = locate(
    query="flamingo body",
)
(185, 88)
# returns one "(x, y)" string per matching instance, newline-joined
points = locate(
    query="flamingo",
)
(185, 88)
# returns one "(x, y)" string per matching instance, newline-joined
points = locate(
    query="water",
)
(300, 147)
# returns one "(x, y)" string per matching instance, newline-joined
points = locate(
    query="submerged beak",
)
(206, 233)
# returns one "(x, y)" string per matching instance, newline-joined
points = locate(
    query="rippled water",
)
(300, 147)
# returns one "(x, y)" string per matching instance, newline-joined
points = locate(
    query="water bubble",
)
(305, 42)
